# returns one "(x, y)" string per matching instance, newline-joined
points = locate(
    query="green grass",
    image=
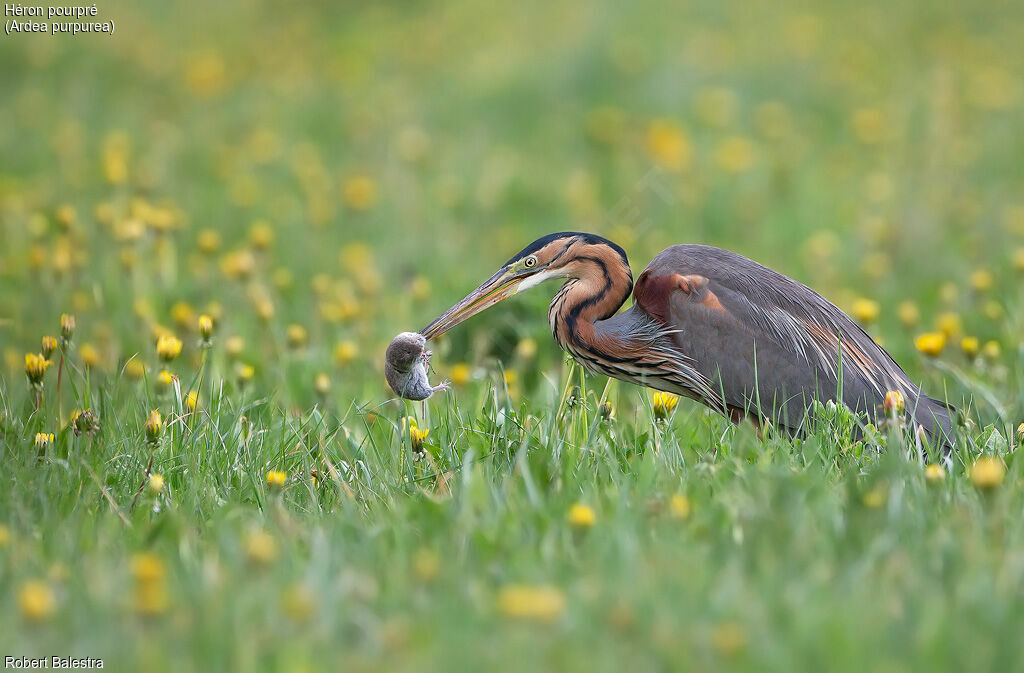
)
(397, 155)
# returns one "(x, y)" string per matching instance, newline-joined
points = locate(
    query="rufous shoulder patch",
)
(653, 293)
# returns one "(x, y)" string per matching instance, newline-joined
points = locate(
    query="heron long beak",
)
(500, 286)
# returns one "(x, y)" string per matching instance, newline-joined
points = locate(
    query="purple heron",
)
(707, 324)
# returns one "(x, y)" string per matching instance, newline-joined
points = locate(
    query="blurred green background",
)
(870, 150)
(320, 176)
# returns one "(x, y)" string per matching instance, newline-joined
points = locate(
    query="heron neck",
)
(598, 286)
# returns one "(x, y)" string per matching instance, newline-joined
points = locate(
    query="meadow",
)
(213, 221)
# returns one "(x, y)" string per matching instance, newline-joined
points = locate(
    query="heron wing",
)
(759, 333)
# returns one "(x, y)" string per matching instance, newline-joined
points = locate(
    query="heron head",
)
(551, 256)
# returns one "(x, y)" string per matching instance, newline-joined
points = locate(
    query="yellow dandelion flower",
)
(668, 144)
(460, 374)
(412, 143)
(276, 478)
(130, 230)
(870, 126)
(143, 309)
(356, 256)
(206, 327)
(991, 350)
(168, 347)
(728, 638)
(735, 154)
(264, 145)
(663, 404)
(191, 400)
(359, 193)
(66, 216)
(993, 309)
(11, 359)
(43, 440)
(908, 313)
(417, 437)
(934, 473)
(84, 421)
(581, 516)
(282, 278)
(987, 473)
(67, 329)
(866, 311)
(426, 564)
(129, 259)
(165, 378)
(970, 346)
(949, 292)
(296, 336)
(894, 403)
(1012, 220)
(115, 159)
(90, 356)
(931, 343)
(205, 74)
(298, 603)
(802, 34)
(531, 602)
(679, 506)
(320, 283)
(183, 315)
(345, 352)
(49, 345)
(36, 601)
(234, 346)
(982, 280)
(581, 192)
(35, 368)
(147, 567)
(993, 88)
(1018, 259)
(155, 483)
(821, 247)
(949, 324)
(238, 265)
(265, 309)
(716, 106)
(154, 425)
(510, 376)
(322, 384)
(526, 348)
(246, 373)
(62, 256)
(151, 597)
(879, 188)
(260, 547)
(261, 235)
(37, 256)
(208, 241)
(874, 498)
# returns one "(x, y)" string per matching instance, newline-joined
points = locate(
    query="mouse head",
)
(405, 350)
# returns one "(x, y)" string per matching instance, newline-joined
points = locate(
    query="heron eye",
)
(530, 262)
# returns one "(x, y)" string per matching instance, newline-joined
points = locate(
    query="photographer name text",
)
(54, 662)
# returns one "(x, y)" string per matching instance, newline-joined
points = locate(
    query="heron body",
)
(708, 324)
